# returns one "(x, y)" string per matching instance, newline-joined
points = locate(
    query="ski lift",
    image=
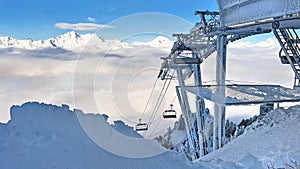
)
(284, 59)
(169, 113)
(141, 126)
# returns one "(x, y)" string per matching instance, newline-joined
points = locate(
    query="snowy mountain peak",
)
(161, 40)
(74, 41)
(69, 35)
(72, 33)
(68, 40)
(29, 39)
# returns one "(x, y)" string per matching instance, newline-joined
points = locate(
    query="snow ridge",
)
(160, 41)
(74, 41)
(48, 136)
(272, 139)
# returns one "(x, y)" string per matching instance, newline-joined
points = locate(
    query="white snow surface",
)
(48, 136)
(272, 139)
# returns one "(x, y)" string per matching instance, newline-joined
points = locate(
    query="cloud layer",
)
(82, 26)
(118, 82)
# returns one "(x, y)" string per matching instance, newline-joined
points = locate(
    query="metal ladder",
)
(288, 40)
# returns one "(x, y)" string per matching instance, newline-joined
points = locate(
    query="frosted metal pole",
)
(215, 130)
(184, 105)
(219, 120)
(199, 113)
(219, 3)
(219, 110)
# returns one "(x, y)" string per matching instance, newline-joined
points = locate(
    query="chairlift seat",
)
(283, 58)
(169, 114)
(141, 127)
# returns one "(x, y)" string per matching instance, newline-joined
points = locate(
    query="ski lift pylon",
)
(169, 113)
(141, 126)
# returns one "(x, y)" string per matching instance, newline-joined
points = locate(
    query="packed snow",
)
(272, 139)
(47, 136)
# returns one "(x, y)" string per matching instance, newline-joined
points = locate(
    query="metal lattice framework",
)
(215, 30)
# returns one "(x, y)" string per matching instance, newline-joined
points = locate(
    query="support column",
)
(184, 105)
(199, 113)
(219, 119)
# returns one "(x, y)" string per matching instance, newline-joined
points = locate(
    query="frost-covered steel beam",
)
(219, 120)
(219, 3)
(185, 109)
(246, 94)
(234, 12)
(199, 113)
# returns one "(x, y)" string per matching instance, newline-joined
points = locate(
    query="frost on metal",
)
(242, 11)
(246, 94)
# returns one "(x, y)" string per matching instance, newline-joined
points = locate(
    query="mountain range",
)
(74, 41)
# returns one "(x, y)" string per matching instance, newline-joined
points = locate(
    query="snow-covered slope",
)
(272, 139)
(74, 41)
(49, 136)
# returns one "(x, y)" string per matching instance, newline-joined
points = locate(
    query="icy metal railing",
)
(245, 94)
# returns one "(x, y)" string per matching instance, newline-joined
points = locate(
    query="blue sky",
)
(37, 18)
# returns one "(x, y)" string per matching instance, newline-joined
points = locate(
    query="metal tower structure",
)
(215, 30)
(290, 51)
